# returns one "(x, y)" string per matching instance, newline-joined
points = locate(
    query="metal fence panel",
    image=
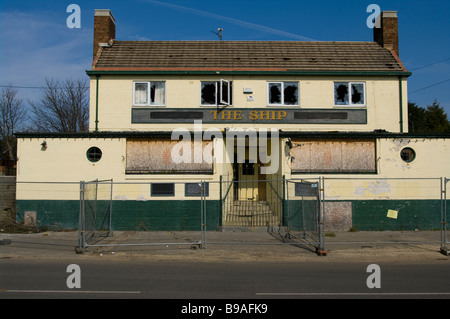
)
(310, 209)
(303, 213)
(359, 206)
(285, 217)
(95, 211)
(135, 220)
(251, 203)
(379, 204)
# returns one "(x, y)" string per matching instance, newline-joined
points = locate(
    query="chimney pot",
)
(104, 28)
(387, 34)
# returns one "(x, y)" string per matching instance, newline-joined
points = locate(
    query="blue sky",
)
(35, 42)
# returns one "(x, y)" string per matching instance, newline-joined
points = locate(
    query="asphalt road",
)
(196, 280)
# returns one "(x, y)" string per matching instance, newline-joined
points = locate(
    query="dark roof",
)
(279, 56)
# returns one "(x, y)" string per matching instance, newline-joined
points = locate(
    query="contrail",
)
(246, 24)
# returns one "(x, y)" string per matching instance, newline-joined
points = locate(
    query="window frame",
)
(228, 84)
(248, 168)
(206, 193)
(152, 194)
(304, 189)
(219, 98)
(411, 154)
(149, 88)
(96, 156)
(349, 87)
(283, 83)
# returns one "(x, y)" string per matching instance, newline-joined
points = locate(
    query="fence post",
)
(221, 201)
(203, 213)
(110, 207)
(80, 248)
(321, 213)
(283, 205)
(444, 249)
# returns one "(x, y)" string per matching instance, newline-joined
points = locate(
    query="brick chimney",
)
(387, 34)
(104, 28)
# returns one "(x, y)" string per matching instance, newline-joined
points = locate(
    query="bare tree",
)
(12, 115)
(63, 107)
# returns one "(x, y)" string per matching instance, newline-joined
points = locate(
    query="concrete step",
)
(249, 214)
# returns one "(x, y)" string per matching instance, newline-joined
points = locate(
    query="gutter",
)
(400, 85)
(96, 102)
(282, 134)
(241, 72)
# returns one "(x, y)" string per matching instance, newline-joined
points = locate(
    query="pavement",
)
(235, 246)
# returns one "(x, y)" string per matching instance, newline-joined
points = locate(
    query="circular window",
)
(94, 154)
(408, 154)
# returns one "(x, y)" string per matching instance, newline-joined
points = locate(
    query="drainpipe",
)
(400, 85)
(96, 102)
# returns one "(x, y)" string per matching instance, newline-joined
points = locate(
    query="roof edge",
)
(283, 134)
(96, 72)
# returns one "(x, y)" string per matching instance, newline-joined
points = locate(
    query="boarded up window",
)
(154, 156)
(333, 156)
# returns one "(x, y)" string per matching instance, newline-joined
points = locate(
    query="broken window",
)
(349, 93)
(157, 93)
(216, 93)
(275, 93)
(149, 93)
(283, 93)
(209, 90)
(290, 93)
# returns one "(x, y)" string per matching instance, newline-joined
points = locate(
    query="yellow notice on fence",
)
(392, 214)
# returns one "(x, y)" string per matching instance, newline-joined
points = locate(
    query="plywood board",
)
(333, 156)
(164, 156)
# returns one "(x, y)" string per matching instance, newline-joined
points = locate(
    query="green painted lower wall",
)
(126, 215)
(52, 214)
(179, 215)
(371, 215)
(412, 214)
(163, 215)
